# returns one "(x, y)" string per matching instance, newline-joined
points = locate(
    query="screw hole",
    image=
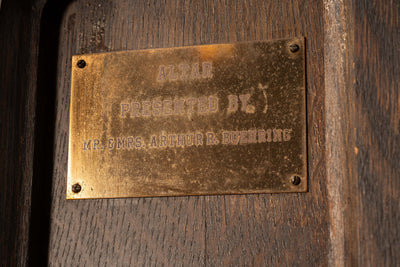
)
(296, 180)
(294, 48)
(81, 64)
(76, 188)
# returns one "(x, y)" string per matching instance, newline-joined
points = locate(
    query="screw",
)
(296, 180)
(294, 48)
(81, 64)
(76, 188)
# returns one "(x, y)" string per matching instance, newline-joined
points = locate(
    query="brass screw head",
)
(81, 64)
(76, 188)
(294, 48)
(296, 180)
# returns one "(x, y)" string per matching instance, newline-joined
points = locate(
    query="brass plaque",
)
(198, 120)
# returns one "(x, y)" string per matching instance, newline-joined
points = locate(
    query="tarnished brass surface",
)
(199, 120)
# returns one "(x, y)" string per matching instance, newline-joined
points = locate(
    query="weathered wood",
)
(19, 35)
(42, 180)
(350, 214)
(118, 229)
(362, 77)
(339, 106)
(377, 140)
(145, 231)
(277, 229)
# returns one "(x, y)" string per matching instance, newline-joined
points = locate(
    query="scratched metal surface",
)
(199, 120)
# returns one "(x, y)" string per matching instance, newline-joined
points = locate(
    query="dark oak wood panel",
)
(251, 229)
(377, 139)
(12, 83)
(266, 229)
(156, 231)
(19, 42)
(362, 74)
(350, 214)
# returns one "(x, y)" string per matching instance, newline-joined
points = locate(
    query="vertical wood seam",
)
(339, 136)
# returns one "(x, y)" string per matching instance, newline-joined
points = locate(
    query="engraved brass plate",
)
(199, 120)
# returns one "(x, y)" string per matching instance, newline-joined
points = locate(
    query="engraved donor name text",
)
(227, 104)
(165, 140)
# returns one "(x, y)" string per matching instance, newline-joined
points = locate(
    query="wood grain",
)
(11, 131)
(350, 214)
(277, 229)
(377, 139)
(145, 231)
(226, 230)
(18, 70)
(339, 134)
